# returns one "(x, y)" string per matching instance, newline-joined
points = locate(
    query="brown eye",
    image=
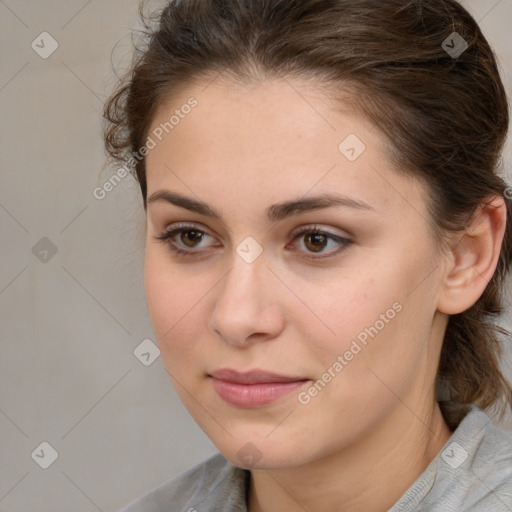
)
(190, 237)
(315, 241)
(185, 240)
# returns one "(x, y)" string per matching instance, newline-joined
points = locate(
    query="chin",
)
(260, 452)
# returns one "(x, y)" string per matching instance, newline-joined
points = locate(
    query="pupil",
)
(196, 236)
(317, 238)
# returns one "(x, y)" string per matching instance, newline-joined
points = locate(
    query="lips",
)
(254, 388)
(252, 377)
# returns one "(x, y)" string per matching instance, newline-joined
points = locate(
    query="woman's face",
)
(346, 318)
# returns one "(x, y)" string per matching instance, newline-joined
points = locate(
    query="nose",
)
(247, 306)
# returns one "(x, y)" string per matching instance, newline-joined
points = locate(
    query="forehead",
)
(268, 139)
(293, 108)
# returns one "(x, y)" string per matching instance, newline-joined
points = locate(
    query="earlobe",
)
(473, 258)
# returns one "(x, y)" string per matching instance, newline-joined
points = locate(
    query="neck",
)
(371, 475)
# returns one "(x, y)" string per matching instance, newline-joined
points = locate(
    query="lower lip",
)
(253, 395)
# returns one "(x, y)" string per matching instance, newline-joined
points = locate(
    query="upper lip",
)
(252, 376)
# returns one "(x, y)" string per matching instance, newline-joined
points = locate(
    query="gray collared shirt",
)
(472, 473)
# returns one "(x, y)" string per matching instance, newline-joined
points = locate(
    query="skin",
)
(373, 429)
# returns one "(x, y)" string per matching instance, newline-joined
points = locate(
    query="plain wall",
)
(70, 321)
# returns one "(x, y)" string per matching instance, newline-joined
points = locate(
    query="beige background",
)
(69, 325)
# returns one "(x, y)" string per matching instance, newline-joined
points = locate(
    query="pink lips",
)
(254, 388)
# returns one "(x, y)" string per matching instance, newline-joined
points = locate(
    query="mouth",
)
(255, 388)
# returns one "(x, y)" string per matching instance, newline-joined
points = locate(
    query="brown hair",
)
(445, 117)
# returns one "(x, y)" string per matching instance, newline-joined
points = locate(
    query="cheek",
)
(375, 317)
(161, 300)
(175, 303)
(350, 305)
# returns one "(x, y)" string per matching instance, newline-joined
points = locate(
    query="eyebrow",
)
(275, 212)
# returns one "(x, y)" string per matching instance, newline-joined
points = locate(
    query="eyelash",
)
(167, 236)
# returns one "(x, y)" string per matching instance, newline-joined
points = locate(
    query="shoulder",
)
(474, 471)
(214, 484)
(491, 468)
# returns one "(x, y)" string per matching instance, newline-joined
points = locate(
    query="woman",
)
(327, 241)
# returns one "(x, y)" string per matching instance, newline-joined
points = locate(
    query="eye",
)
(185, 239)
(190, 237)
(316, 240)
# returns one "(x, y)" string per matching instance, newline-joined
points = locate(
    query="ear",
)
(473, 257)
